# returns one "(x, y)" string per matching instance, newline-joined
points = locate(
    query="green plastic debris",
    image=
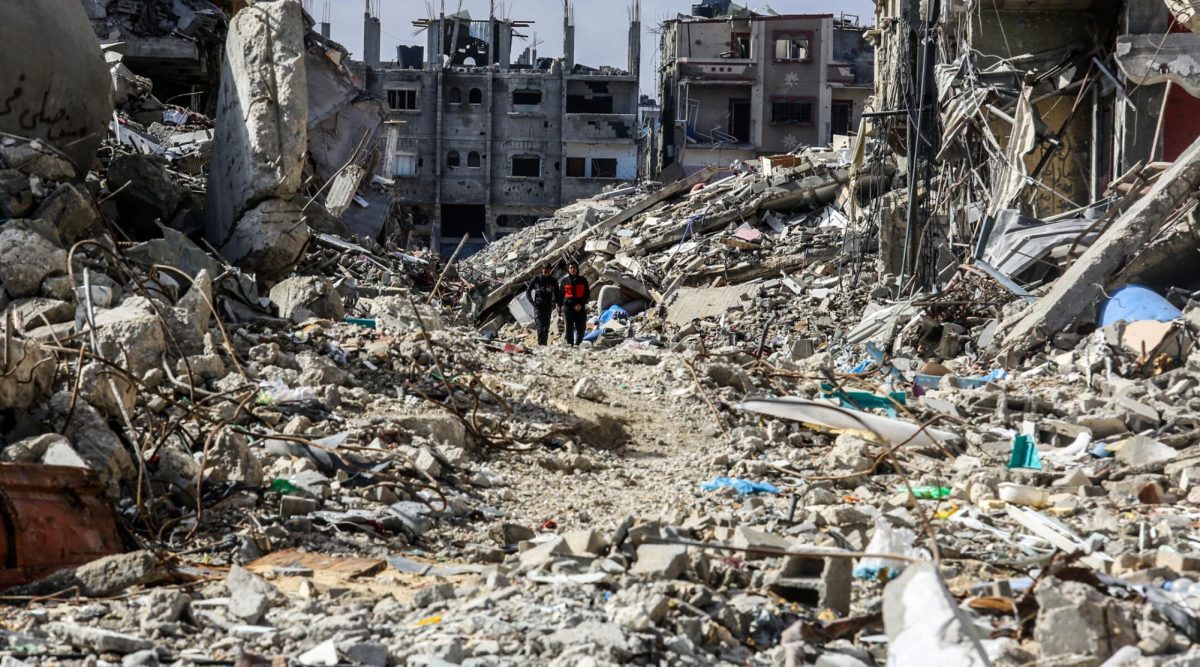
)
(284, 486)
(1024, 454)
(370, 324)
(930, 492)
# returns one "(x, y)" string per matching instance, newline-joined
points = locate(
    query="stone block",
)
(818, 582)
(131, 335)
(249, 595)
(661, 561)
(268, 239)
(588, 542)
(607, 296)
(305, 297)
(27, 258)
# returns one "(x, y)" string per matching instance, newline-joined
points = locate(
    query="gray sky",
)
(601, 26)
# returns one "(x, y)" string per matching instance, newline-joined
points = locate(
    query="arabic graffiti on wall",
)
(37, 116)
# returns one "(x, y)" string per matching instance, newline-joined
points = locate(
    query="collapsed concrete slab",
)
(259, 148)
(1083, 284)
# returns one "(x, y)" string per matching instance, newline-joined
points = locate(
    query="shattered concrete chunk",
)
(97, 639)
(131, 335)
(27, 258)
(249, 595)
(72, 211)
(120, 572)
(924, 624)
(305, 297)
(26, 373)
(268, 239)
(91, 438)
(660, 561)
(1075, 619)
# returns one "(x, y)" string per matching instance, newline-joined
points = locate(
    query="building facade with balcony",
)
(737, 86)
(478, 145)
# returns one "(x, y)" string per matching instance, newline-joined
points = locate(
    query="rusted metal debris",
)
(54, 517)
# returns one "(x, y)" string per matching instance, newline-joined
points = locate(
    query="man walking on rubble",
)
(544, 295)
(575, 295)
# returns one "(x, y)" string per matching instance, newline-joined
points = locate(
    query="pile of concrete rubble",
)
(234, 430)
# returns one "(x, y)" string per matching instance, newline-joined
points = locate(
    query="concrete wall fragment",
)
(262, 116)
(55, 84)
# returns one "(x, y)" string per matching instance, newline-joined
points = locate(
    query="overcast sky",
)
(600, 33)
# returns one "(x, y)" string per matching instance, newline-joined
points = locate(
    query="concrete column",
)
(635, 49)
(569, 39)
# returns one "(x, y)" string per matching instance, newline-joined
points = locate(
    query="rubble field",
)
(235, 432)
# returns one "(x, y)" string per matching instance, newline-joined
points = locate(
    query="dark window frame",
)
(453, 159)
(475, 96)
(454, 95)
(399, 98)
(524, 159)
(778, 118)
(527, 94)
(607, 173)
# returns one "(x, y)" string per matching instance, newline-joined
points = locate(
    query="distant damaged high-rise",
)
(480, 145)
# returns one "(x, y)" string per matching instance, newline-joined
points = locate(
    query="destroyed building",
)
(923, 393)
(479, 145)
(737, 85)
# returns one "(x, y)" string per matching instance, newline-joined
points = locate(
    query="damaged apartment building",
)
(479, 145)
(1033, 123)
(736, 84)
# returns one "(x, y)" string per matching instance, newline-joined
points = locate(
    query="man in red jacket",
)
(575, 295)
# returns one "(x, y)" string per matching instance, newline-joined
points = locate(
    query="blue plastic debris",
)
(1134, 303)
(744, 487)
(613, 312)
(1024, 454)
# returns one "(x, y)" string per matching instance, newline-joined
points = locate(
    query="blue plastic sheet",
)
(744, 487)
(613, 312)
(1134, 303)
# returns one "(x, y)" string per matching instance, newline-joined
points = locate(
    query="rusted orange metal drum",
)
(53, 517)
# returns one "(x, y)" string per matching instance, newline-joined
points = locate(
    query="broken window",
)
(527, 97)
(405, 164)
(402, 100)
(792, 48)
(473, 159)
(576, 167)
(792, 111)
(604, 167)
(475, 96)
(740, 44)
(454, 96)
(452, 159)
(527, 166)
(584, 104)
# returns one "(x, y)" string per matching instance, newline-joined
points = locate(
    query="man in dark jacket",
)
(544, 295)
(575, 295)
